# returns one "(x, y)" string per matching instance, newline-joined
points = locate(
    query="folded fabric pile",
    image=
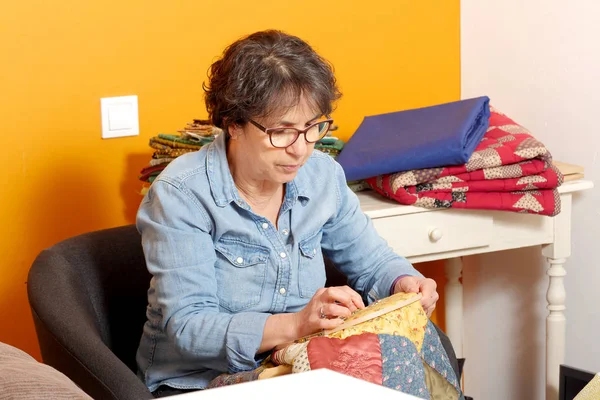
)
(330, 144)
(509, 170)
(443, 134)
(168, 147)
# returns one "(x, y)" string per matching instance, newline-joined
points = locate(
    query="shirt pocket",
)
(241, 273)
(311, 268)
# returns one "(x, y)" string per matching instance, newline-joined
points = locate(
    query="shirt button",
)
(282, 255)
(265, 225)
(314, 251)
(239, 260)
(282, 290)
(285, 232)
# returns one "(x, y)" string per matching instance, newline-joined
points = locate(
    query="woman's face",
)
(268, 163)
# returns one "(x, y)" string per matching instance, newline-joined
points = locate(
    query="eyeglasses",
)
(285, 137)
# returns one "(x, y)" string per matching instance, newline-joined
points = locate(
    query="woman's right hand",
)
(327, 309)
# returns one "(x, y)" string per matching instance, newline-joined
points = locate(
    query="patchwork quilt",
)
(395, 347)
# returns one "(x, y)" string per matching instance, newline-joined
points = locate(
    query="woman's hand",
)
(426, 286)
(327, 309)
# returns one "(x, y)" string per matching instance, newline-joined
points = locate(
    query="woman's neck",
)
(259, 193)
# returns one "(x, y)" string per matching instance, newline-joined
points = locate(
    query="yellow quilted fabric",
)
(408, 321)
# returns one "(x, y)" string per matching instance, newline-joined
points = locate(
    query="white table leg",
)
(557, 254)
(454, 304)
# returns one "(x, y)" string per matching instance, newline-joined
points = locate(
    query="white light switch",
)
(119, 116)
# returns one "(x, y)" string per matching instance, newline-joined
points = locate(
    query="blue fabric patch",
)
(402, 368)
(435, 356)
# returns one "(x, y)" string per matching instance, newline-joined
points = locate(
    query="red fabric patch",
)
(358, 356)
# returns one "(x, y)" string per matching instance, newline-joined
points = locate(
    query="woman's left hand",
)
(426, 286)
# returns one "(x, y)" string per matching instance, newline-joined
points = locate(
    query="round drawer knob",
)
(435, 235)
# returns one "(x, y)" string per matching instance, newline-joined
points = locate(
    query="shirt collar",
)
(298, 188)
(220, 180)
(223, 188)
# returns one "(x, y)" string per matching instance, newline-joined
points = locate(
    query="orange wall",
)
(60, 57)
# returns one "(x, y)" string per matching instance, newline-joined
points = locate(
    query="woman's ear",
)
(235, 130)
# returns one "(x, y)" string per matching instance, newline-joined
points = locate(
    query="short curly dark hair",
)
(265, 73)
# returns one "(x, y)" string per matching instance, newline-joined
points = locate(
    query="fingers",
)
(330, 323)
(410, 284)
(430, 295)
(357, 300)
(333, 310)
(326, 317)
(429, 311)
(343, 295)
(429, 300)
(426, 286)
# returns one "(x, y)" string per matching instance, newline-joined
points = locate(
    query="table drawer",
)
(435, 232)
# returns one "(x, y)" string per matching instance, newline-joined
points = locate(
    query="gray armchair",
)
(88, 299)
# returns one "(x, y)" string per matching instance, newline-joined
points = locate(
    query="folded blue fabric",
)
(436, 136)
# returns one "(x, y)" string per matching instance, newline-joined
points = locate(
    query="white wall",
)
(539, 62)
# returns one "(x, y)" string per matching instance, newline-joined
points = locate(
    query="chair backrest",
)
(88, 296)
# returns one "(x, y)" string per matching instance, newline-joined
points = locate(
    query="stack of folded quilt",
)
(330, 145)
(508, 170)
(168, 147)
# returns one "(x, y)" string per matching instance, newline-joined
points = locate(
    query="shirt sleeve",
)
(351, 242)
(180, 255)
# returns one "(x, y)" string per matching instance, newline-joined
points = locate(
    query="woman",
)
(234, 234)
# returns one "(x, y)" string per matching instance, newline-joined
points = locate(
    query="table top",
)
(314, 384)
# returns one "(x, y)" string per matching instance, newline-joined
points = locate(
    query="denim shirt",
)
(220, 270)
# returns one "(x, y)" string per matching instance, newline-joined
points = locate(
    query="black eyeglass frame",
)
(269, 131)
